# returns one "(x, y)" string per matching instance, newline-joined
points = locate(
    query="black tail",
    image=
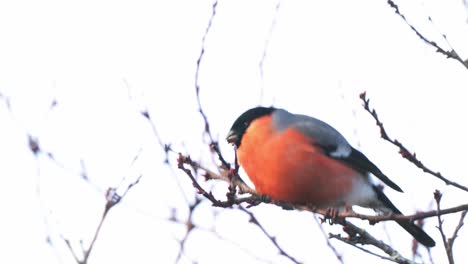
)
(411, 228)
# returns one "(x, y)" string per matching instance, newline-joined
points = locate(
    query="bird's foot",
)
(331, 214)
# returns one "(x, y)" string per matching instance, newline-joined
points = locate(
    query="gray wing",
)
(331, 142)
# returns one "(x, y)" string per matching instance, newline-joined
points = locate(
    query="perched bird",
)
(303, 160)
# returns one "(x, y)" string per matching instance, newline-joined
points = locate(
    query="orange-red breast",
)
(300, 159)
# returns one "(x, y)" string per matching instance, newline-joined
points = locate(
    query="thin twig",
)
(166, 147)
(397, 217)
(347, 241)
(457, 229)
(255, 221)
(190, 226)
(228, 176)
(405, 153)
(112, 199)
(96, 234)
(197, 72)
(448, 243)
(265, 48)
(252, 199)
(67, 242)
(437, 197)
(215, 148)
(213, 144)
(449, 54)
(361, 236)
(338, 256)
(212, 231)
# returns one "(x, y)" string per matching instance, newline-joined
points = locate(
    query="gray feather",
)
(322, 134)
(330, 141)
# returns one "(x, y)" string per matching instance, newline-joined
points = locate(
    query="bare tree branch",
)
(405, 153)
(396, 217)
(165, 147)
(256, 198)
(112, 199)
(210, 230)
(197, 73)
(339, 257)
(437, 197)
(448, 243)
(190, 226)
(213, 144)
(361, 236)
(209, 195)
(225, 175)
(347, 241)
(265, 48)
(449, 54)
(357, 235)
(457, 229)
(255, 221)
(67, 242)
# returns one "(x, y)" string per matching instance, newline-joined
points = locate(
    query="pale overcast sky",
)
(103, 62)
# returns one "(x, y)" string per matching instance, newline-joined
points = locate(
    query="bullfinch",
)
(302, 160)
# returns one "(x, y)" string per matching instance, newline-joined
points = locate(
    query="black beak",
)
(232, 137)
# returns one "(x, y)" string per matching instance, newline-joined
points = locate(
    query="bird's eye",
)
(246, 124)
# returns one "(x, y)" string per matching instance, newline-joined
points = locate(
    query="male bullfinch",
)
(303, 160)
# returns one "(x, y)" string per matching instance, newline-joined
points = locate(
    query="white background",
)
(103, 62)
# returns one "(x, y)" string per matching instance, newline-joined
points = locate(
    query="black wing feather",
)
(332, 143)
(361, 163)
(411, 228)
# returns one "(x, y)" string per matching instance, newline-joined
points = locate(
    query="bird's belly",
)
(288, 167)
